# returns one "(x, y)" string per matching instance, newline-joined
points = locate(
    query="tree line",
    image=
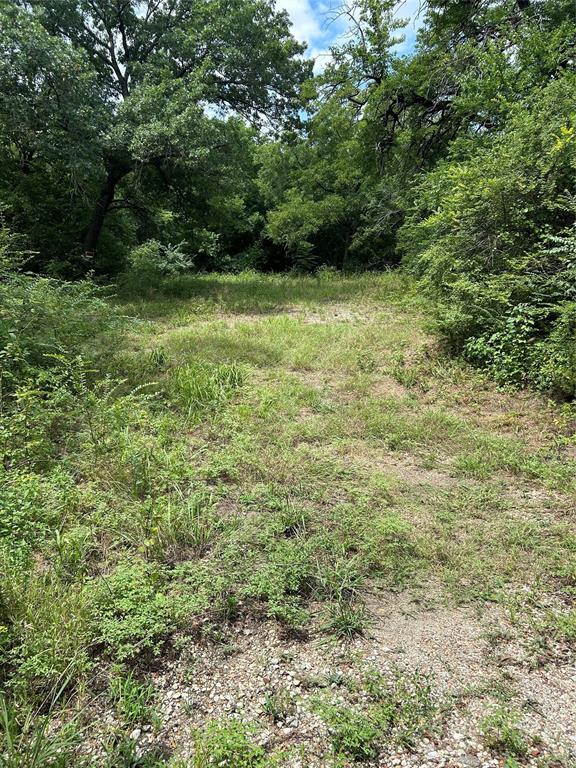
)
(163, 136)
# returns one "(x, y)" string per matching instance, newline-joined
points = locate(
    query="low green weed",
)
(353, 735)
(404, 704)
(228, 744)
(503, 735)
(182, 528)
(131, 611)
(279, 705)
(133, 699)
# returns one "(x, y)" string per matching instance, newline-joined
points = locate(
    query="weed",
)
(131, 612)
(353, 735)
(182, 529)
(227, 744)
(279, 705)
(404, 705)
(346, 620)
(28, 740)
(502, 734)
(132, 698)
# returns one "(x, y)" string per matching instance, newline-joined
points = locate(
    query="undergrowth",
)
(199, 467)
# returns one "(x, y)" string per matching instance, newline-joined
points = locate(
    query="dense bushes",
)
(493, 236)
(42, 320)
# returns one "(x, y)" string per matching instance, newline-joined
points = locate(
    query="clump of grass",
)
(182, 528)
(133, 699)
(28, 738)
(346, 620)
(202, 387)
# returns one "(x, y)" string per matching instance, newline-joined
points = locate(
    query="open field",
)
(283, 529)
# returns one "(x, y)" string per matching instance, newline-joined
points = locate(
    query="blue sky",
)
(313, 22)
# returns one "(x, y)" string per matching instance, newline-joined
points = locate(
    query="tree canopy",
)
(173, 127)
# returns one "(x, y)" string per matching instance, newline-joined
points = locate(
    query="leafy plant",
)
(131, 613)
(502, 734)
(227, 744)
(353, 734)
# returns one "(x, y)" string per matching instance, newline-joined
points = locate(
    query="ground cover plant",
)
(279, 450)
(287, 379)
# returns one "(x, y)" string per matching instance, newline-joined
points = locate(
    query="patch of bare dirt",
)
(236, 675)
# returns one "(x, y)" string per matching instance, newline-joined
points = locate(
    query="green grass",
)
(272, 447)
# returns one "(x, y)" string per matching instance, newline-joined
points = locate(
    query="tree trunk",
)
(92, 234)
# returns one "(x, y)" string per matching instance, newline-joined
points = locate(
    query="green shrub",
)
(41, 317)
(153, 258)
(493, 238)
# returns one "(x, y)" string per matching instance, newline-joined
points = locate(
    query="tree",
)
(166, 75)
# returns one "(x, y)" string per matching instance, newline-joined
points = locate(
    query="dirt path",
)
(453, 501)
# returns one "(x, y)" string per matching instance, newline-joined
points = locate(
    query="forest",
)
(287, 382)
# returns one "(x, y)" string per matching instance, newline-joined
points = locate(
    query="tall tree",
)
(167, 75)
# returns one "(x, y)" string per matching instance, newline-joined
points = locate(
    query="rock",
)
(470, 761)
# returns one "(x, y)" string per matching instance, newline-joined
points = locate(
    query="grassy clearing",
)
(271, 447)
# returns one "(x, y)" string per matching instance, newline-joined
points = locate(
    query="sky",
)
(314, 23)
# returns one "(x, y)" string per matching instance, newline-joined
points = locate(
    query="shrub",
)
(492, 236)
(41, 317)
(154, 258)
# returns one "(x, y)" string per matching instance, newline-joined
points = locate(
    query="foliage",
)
(28, 741)
(156, 260)
(353, 734)
(496, 245)
(103, 107)
(228, 744)
(502, 734)
(132, 698)
(401, 709)
(131, 611)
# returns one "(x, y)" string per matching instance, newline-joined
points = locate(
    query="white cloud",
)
(306, 25)
(317, 23)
